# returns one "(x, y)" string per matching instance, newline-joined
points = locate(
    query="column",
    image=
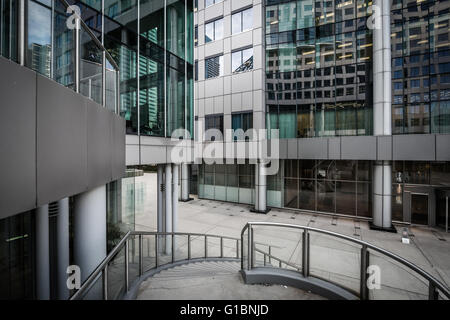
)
(160, 199)
(62, 236)
(185, 182)
(168, 192)
(175, 192)
(42, 254)
(260, 188)
(382, 113)
(89, 219)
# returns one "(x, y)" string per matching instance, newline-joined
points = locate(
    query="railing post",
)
(127, 279)
(253, 249)
(270, 255)
(242, 251)
(21, 27)
(141, 261)
(77, 54)
(305, 253)
(221, 247)
(249, 248)
(433, 294)
(189, 247)
(265, 259)
(364, 293)
(206, 246)
(156, 250)
(105, 282)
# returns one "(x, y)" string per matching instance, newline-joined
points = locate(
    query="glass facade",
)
(150, 41)
(342, 187)
(318, 68)
(17, 280)
(420, 66)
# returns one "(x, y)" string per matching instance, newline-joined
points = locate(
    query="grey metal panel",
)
(313, 148)
(334, 148)
(118, 165)
(99, 145)
(356, 148)
(443, 147)
(17, 139)
(292, 149)
(283, 148)
(61, 142)
(414, 147)
(384, 148)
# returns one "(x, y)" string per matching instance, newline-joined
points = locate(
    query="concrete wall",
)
(54, 142)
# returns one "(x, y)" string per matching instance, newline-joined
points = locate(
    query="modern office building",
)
(358, 89)
(78, 95)
(87, 98)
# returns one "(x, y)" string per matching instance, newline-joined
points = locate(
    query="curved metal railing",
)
(141, 252)
(363, 251)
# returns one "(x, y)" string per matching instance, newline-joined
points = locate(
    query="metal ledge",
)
(296, 280)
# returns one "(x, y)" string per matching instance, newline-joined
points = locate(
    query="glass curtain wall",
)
(420, 66)
(318, 68)
(342, 187)
(150, 40)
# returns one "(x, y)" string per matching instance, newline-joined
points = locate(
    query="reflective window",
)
(242, 21)
(211, 2)
(242, 122)
(242, 60)
(214, 123)
(214, 67)
(214, 30)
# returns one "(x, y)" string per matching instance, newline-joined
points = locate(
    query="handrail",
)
(281, 261)
(123, 243)
(433, 282)
(93, 36)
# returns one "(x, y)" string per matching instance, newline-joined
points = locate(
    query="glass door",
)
(419, 208)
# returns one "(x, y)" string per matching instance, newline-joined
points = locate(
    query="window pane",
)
(247, 19)
(218, 29)
(236, 23)
(214, 67)
(209, 32)
(345, 192)
(209, 2)
(236, 60)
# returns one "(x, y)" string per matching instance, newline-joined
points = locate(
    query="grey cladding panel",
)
(443, 147)
(313, 148)
(61, 142)
(420, 147)
(334, 148)
(384, 148)
(17, 139)
(118, 166)
(99, 145)
(360, 147)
